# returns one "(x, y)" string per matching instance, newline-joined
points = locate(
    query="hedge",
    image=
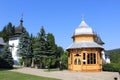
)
(114, 67)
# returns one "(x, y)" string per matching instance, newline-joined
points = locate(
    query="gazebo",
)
(85, 51)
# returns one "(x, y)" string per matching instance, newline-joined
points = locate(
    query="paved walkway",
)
(70, 75)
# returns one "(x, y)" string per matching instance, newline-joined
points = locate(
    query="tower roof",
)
(18, 30)
(83, 28)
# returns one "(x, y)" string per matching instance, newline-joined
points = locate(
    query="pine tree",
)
(0, 33)
(51, 41)
(59, 53)
(8, 31)
(40, 48)
(5, 34)
(64, 60)
(51, 50)
(24, 48)
(36, 52)
(6, 58)
(33, 49)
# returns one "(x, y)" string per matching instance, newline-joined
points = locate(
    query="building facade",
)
(14, 42)
(85, 51)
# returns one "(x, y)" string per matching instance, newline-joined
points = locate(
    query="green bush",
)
(5, 64)
(20, 61)
(114, 67)
(27, 62)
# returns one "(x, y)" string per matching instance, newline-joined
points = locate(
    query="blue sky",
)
(62, 17)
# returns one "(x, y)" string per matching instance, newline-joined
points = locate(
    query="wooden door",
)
(77, 63)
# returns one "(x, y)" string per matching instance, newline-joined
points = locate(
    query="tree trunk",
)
(32, 65)
(23, 64)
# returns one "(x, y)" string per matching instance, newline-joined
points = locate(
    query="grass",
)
(9, 75)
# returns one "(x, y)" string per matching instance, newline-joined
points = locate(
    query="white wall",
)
(14, 43)
(105, 58)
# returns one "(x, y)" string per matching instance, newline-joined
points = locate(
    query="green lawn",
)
(9, 75)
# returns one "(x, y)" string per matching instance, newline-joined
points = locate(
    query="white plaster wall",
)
(14, 49)
(103, 56)
(107, 60)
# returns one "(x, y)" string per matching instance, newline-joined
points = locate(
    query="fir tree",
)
(40, 48)
(64, 60)
(36, 52)
(51, 41)
(51, 50)
(5, 34)
(8, 31)
(24, 49)
(59, 53)
(6, 58)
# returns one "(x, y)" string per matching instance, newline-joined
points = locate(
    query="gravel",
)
(70, 75)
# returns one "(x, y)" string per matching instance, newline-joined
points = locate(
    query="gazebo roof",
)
(84, 44)
(99, 40)
(83, 28)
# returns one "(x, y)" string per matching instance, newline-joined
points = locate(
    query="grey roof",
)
(2, 41)
(18, 30)
(99, 40)
(84, 44)
(83, 28)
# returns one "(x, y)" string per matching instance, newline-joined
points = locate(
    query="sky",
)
(62, 17)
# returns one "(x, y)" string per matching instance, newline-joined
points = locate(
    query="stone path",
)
(70, 75)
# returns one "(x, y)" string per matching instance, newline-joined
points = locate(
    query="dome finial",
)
(21, 18)
(21, 21)
(82, 17)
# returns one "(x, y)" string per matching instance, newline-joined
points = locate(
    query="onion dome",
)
(18, 30)
(83, 28)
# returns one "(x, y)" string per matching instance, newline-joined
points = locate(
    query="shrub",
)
(20, 61)
(114, 67)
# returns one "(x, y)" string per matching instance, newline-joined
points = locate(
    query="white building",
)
(14, 42)
(106, 57)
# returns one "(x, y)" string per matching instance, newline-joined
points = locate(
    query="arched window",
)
(79, 62)
(75, 62)
(91, 58)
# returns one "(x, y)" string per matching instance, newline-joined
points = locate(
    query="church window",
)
(79, 62)
(75, 61)
(91, 58)
(84, 58)
(94, 58)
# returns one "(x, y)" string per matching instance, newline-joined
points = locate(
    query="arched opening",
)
(75, 62)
